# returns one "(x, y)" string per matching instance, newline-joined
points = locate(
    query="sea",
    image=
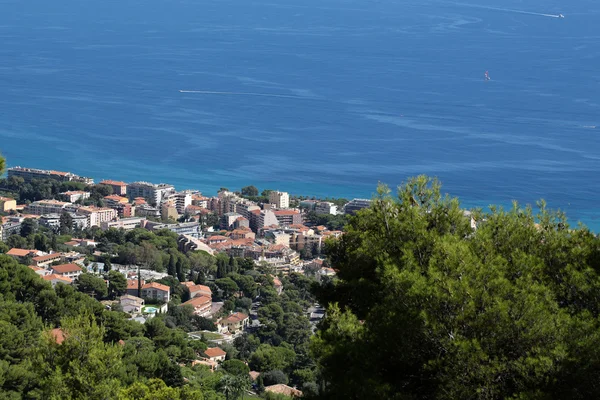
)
(312, 97)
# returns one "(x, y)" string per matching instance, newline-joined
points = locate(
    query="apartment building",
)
(154, 193)
(67, 270)
(75, 195)
(356, 205)
(7, 204)
(245, 207)
(156, 291)
(182, 200)
(326, 207)
(279, 199)
(288, 217)
(42, 207)
(97, 215)
(31, 173)
(124, 223)
(119, 188)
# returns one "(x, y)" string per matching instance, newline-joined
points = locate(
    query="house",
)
(202, 305)
(233, 323)
(132, 286)
(7, 204)
(158, 291)
(56, 279)
(22, 254)
(215, 354)
(67, 270)
(131, 304)
(44, 261)
(200, 290)
(284, 390)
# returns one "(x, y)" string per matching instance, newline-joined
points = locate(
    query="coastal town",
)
(274, 233)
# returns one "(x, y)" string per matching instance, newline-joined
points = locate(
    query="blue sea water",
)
(319, 97)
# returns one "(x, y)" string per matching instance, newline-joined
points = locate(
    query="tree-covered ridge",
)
(427, 307)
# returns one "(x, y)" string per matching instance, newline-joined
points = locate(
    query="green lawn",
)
(208, 335)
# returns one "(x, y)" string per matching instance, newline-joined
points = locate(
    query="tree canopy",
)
(425, 306)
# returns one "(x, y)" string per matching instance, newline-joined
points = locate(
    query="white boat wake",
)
(245, 94)
(509, 10)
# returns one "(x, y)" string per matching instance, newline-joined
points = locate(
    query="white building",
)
(279, 199)
(97, 215)
(42, 207)
(326, 207)
(75, 195)
(124, 223)
(154, 193)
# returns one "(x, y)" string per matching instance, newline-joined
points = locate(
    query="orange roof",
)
(115, 197)
(113, 183)
(33, 267)
(5, 198)
(59, 173)
(198, 301)
(188, 283)
(198, 288)
(64, 268)
(19, 252)
(58, 335)
(47, 257)
(217, 237)
(235, 317)
(52, 277)
(214, 352)
(133, 284)
(286, 212)
(156, 285)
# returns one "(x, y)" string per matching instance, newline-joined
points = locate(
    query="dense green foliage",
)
(427, 307)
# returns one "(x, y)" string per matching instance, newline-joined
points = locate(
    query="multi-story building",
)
(67, 270)
(279, 199)
(145, 210)
(278, 237)
(245, 207)
(7, 204)
(9, 228)
(182, 200)
(73, 196)
(51, 221)
(326, 207)
(115, 199)
(308, 204)
(152, 192)
(80, 221)
(355, 205)
(156, 291)
(200, 201)
(263, 219)
(119, 188)
(301, 240)
(97, 215)
(124, 223)
(228, 220)
(42, 207)
(202, 305)
(31, 173)
(47, 259)
(185, 228)
(168, 210)
(124, 210)
(288, 217)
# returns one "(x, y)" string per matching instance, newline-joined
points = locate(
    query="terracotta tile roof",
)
(133, 284)
(199, 288)
(187, 283)
(64, 268)
(214, 352)
(215, 238)
(33, 267)
(286, 212)
(198, 301)
(19, 252)
(113, 183)
(58, 335)
(117, 198)
(235, 317)
(156, 285)
(52, 277)
(47, 257)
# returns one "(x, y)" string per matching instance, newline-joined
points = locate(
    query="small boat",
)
(486, 76)
(560, 16)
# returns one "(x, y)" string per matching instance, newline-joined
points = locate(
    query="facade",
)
(123, 223)
(97, 215)
(80, 221)
(51, 221)
(265, 218)
(199, 290)
(186, 243)
(8, 229)
(326, 207)
(114, 199)
(145, 210)
(215, 354)
(202, 305)
(75, 195)
(31, 173)
(169, 211)
(279, 199)
(119, 188)
(182, 200)
(156, 291)
(185, 228)
(131, 304)
(245, 207)
(42, 207)
(233, 323)
(7, 204)
(288, 217)
(301, 240)
(154, 193)
(67, 270)
(132, 286)
(228, 220)
(279, 237)
(124, 210)
(356, 205)
(46, 260)
(55, 279)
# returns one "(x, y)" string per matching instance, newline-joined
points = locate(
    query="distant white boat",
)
(560, 16)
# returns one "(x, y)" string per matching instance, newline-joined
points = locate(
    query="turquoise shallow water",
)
(317, 97)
